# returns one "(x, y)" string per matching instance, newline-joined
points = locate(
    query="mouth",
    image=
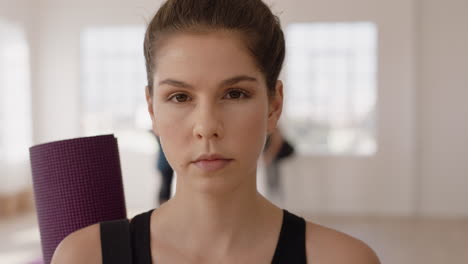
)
(212, 165)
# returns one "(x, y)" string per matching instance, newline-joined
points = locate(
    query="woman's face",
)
(209, 97)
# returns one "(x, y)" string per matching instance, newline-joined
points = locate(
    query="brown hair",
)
(253, 18)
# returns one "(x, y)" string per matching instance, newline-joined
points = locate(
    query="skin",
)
(215, 217)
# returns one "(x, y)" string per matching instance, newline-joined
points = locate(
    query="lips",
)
(213, 156)
(212, 165)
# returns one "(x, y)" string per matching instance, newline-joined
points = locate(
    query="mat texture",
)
(77, 183)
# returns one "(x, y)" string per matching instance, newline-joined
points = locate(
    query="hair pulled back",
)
(260, 29)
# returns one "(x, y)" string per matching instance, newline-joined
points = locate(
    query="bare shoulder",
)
(329, 246)
(81, 246)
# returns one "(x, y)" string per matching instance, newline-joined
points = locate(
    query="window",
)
(15, 95)
(330, 100)
(113, 79)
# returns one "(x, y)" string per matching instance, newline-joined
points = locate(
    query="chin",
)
(219, 183)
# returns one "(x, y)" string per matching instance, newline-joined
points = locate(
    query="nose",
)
(208, 124)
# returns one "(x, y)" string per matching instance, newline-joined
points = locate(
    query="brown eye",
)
(180, 98)
(237, 94)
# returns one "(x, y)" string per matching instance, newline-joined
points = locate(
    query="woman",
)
(213, 95)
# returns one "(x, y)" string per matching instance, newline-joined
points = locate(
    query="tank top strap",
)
(115, 242)
(140, 238)
(291, 247)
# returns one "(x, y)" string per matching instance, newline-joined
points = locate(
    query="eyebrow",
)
(227, 82)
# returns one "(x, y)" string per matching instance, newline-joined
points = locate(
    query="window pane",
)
(331, 87)
(15, 95)
(113, 79)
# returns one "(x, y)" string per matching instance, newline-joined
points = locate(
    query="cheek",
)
(169, 125)
(250, 129)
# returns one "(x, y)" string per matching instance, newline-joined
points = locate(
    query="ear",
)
(149, 102)
(275, 108)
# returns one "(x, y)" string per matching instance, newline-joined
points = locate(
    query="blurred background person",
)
(166, 172)
(276, 149)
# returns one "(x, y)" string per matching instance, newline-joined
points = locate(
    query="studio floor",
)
(396, 240)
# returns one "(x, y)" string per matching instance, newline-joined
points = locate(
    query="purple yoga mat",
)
(77, 183)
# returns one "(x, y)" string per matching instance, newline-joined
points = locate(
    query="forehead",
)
(207, 56)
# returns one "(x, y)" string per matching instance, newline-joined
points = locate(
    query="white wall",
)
(16, 11)
(443, 108)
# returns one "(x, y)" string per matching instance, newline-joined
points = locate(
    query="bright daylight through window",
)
(331, 73)
(113, 78)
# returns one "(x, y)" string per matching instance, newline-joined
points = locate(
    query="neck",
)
(219, 211)
(220, 219)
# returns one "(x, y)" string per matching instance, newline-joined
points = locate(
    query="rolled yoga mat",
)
(77, 183)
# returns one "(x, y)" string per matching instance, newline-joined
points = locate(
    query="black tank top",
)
(129, 243)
